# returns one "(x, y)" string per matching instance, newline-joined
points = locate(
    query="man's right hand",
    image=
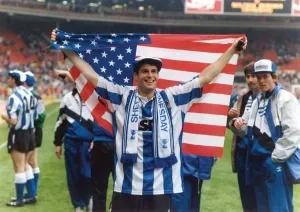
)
(58, 151)
(234, 113)
(239, 123)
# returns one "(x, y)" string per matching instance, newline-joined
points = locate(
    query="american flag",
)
(183, 56)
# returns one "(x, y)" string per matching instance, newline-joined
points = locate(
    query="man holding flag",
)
(147, 126)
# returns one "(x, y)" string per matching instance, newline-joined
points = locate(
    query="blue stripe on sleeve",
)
(114, 98)
(10, 104)
(185, 98)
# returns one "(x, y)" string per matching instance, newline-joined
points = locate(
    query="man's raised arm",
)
(214, 69)
(86, 70)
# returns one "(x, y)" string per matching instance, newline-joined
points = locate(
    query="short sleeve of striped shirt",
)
(13, 106)
(111, 92)
(185, 94)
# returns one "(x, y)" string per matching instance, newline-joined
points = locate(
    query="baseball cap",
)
(30, 80)
(264, 66)
(154, 60)
(18, 75)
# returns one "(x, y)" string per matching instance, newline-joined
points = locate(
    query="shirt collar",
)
(145, 100)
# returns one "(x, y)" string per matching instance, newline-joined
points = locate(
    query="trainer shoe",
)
(29, 201)
(25, 197)
(78, 209)
(89, 207)
(15, 203)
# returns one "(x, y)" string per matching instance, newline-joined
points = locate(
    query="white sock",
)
(36, 170)
(29, 174)
(20, 178)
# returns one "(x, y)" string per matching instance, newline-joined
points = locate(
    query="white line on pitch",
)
(3, 145)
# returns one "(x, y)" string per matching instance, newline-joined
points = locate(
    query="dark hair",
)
(249, 68)
(17, 81)
(138, 66)
(273, 75)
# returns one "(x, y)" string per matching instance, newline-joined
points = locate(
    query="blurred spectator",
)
(23, 50)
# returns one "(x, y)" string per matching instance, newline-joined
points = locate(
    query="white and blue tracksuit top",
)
(142, 178)
(284, 110)
(74, 121)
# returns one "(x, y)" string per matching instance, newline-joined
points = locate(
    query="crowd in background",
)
(42, 63)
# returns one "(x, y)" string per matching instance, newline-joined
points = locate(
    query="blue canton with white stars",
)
(111, 55)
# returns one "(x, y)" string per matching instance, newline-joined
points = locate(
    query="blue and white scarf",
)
(163, 140)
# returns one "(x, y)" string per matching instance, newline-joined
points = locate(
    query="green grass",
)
(220, 194)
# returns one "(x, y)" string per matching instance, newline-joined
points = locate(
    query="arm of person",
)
(214, 69)
(63, 74)
(13, 107)
(234, 112)
(41, 111)
(58, 151)
(85, 69)
(9, 121)
(290, 123)
(239, 125)
(60, 125)
(35, 110)
(105, 89)
(184, 94)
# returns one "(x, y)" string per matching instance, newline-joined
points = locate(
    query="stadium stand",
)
(22, 50)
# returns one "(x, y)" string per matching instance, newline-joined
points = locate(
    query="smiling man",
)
(148, 126)
(273, 129)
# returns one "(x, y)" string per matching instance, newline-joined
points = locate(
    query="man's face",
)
(266, 81)
(251, 81)
(11, 82)
(147, 77)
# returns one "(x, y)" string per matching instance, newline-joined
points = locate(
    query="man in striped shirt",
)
(148, 130)
(20, 116)
(38, 124)
(240, 145)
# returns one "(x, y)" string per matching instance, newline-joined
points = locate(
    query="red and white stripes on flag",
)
(183, 56)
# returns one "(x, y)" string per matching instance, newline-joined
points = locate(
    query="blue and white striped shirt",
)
(142, 178)
(22, 106)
